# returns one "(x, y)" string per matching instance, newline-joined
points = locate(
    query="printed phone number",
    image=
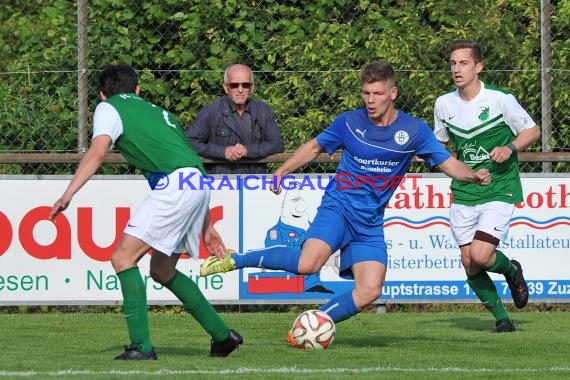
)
(415, 290)
(554, 288)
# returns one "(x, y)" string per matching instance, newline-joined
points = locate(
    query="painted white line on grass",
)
(285, 370)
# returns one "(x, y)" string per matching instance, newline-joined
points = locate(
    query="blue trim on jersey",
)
(374, 160)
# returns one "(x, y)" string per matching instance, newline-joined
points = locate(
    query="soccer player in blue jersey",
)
(378, 143)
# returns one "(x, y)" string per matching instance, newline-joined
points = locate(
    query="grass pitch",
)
(398, 345)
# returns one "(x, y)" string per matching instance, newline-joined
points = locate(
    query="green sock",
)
(502, 265)
(135, 308)
(485, 290)
(196, 304)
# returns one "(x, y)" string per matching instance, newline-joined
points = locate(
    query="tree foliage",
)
(305, 55)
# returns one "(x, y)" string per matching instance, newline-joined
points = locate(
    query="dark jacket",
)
(215, 128)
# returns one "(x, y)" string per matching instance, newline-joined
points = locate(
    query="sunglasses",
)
(246, 85)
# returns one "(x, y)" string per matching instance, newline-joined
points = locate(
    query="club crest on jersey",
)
(401, 137)
(483, 113)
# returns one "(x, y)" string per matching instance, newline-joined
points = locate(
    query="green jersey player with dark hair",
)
(169, 221)
(486, 127)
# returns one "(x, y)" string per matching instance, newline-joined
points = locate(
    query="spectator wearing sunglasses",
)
(236, 128)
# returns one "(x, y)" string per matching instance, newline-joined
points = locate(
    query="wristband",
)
(512, 147)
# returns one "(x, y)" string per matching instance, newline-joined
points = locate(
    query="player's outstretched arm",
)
(88, 165)
(302, 156)
(460, 171)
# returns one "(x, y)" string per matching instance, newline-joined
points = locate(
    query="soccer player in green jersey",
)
(486, 127)
(169, 220)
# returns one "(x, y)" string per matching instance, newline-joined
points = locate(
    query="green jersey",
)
(148, 136)
(472, 129)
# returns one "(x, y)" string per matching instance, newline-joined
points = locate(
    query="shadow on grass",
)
(476, 324)
(188, 351)
(369, 341)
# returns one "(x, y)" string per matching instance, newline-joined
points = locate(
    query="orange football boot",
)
(291, 340)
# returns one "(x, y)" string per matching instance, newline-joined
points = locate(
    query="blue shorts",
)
(356, 243)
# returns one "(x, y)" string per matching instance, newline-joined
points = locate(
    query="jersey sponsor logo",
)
(401, 137)
(450, 117)
(375, 165)
(483, 113)
(472, 156)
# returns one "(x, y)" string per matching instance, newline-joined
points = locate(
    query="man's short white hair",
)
(238, 64)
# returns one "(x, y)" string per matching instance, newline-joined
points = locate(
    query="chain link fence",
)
(40, 114)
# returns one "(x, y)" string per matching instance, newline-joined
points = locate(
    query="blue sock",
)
(340, 307)
(280, 257)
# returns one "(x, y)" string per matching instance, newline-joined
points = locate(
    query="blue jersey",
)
(284, 234)
(373, 162)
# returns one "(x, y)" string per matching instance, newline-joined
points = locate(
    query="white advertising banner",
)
(69, 262)
(424, 265)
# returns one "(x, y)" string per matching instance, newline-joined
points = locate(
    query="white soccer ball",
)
(313, 329)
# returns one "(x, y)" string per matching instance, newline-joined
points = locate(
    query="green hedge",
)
(305, 54)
